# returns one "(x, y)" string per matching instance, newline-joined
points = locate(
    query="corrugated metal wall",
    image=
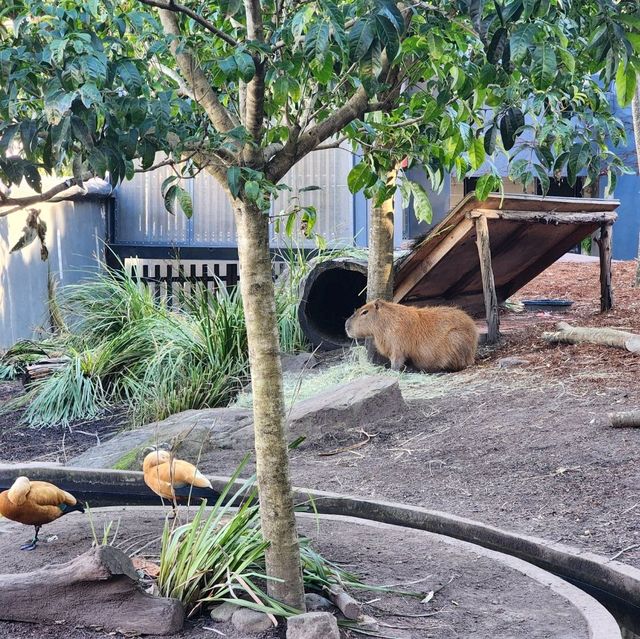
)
(141, 217)
(75, 238)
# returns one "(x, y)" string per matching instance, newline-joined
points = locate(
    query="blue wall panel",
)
(627, 228)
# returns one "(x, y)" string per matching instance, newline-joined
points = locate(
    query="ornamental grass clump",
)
(219, 556)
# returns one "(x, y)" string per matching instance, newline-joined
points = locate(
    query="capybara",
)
(436, 338)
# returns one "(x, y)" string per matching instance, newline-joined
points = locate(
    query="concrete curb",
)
(111, 487)
(601, 623)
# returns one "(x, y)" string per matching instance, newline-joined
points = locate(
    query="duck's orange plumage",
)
(175, 479)
(35, 503)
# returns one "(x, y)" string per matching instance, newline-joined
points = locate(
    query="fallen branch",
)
(348, 606)
(98, 589)
(606, 336)
(625, 419)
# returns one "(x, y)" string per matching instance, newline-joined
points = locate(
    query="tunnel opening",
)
(332, 292)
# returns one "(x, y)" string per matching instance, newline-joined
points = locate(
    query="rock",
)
(247, 620)
(356, 403)
(368, 623)
(317, 603)
(193, 432)
(512, 362)
(223, 612)
(296, 364)
(313, 625)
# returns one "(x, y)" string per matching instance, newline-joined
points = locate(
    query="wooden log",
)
(98, 589)
(625, 419)
(348, 606)
(606, 336)
(604, 243)
(488, 284)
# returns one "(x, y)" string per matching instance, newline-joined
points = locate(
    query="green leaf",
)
(33, 177)
(280, 90)
(510, 122)
(545, 66)
(184, 199)
(90, 95)
(490, 139)
(316, 42)
(228, 66)
(233, 178)
(170, 199)
(252, 190)
(405, 191)
(421, 203)
(291, 220)
(81, 131)
(388, 36)
(360, 38)
(130, 76)
(626, 79)
(543, 176)
(476, 153)
(496, 46)
(486, 184)
(246, 66)
(230, 7)
(360, 177)
(521, 39)
(567, 59)
(578, 158)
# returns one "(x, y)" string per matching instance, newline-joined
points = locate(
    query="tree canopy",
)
(90, 88)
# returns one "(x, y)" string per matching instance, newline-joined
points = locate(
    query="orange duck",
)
(175, 480)
(35, 503)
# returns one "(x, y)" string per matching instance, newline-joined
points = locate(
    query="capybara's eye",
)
(364, 312)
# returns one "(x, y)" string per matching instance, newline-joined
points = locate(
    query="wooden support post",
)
(488, 284)
(604, 243)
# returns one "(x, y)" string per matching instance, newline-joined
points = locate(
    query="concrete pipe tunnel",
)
(329, 294)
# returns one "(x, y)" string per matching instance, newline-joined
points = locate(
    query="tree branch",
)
(169, 5)
(19, 203)
(330, 145)
(292, 152)
(195, 77)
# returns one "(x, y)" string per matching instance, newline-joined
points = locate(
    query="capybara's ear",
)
(376, 304)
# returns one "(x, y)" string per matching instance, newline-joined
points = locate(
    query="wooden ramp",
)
(483, 252)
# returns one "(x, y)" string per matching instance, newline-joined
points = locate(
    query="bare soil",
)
(527, 449)
(473, 595)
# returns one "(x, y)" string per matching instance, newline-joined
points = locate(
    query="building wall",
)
(75, 236)
(141, 217)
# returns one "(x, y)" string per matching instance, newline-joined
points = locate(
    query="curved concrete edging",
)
(612, 577)
(600, 622)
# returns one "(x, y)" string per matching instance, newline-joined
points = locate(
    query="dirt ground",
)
(474, 597)
(527, 449)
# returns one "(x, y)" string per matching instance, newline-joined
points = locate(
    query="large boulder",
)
(349, 405)
(194, 432)
(190, 433)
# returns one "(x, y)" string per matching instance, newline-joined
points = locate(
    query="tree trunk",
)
(380, 266)
(635, 112)
(272, 461)
(380, 262)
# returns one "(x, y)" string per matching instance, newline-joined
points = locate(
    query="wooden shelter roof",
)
(527, 234)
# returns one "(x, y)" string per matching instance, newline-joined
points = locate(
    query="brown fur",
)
(436, 338)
